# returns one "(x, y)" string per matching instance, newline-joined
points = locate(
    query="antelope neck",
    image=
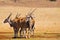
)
(9, 21)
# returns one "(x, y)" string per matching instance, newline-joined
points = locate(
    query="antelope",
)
(13, 24)
(31, 22)
(23, 23)
(27, 22)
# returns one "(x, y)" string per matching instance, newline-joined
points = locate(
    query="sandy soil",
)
(9, 35)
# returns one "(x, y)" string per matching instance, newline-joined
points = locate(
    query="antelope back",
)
(22, 19)
(16, 18)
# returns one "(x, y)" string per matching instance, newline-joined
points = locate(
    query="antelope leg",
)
(15, 33)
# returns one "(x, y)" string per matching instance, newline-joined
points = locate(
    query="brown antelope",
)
(31, 22)
(23, 23)
(14, 24)
(17, 19)
(27, 22)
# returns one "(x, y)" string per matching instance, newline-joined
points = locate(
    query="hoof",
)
(26, 37)
(14, 37)
(32, 35)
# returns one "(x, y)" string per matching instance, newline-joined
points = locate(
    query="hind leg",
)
(32, 31)
(29, 33)
(25, 32)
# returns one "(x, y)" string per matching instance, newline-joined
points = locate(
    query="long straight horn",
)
(32, 11)
(9, 15)
(17, 15)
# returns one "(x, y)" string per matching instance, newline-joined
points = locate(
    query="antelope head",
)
(7, 19)
(30, 15)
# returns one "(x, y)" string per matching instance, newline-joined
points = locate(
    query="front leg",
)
(15, 33)
(20, 33)
(32, 32)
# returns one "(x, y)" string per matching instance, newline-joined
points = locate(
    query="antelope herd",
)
(25, 25)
